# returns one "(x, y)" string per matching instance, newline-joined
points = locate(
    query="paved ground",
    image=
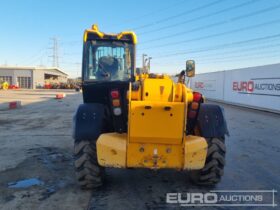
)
(36, 145)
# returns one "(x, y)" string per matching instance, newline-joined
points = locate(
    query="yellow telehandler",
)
(4, 85)
(131, 120)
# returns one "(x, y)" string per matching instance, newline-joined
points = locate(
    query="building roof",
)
(32, 68)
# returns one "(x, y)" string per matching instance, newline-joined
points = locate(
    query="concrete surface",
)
(36, 143)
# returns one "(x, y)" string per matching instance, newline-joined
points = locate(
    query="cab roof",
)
(95, 34)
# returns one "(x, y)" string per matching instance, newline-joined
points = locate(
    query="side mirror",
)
(190, 68)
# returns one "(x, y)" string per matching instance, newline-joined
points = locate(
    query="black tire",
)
(213, 170)
(89, 173)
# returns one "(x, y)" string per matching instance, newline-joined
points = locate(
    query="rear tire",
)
(88, 172)
(213, 170)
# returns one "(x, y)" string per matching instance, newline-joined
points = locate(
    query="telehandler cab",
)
(131, 120)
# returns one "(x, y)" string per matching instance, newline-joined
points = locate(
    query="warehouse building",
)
(32, 77)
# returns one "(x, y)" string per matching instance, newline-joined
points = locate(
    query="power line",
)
(244, 58)
(65, 62)
(202, 17)
(179, 15)
(243, 50)
(73, 53)
(239, 51)
(184, 13)
(242, 55)
(155, 11)
(34, 56)
(217, 23)
(72, 42)
(216, 47)
(254, 56)
(39, 57)
(218, 34)
(205, 26)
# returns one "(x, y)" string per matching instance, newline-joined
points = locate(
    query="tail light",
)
(116, 102)
(117, 111)
(115, 95)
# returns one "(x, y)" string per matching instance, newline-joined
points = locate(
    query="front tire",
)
(88, 172)
(213, 169)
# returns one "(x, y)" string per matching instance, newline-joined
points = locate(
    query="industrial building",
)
(32, 77)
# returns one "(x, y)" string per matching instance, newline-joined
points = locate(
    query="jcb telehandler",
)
(131, 120)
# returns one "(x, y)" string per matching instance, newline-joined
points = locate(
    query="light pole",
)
(143, 62)
(149, 63)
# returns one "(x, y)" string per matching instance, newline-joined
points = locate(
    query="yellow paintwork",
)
(156, 129)
(187, 94)
(94, 29)
(111, 150)
(143, 76)
(178, 93)
(155, 156)
(129, 93)
(136, 95)
(155, 124)
(131, 33)
(195, 150)
(157, 90)
(114, 150)
(5, 85)
(157, 120)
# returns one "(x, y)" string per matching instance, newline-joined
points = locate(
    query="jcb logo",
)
(243, 86)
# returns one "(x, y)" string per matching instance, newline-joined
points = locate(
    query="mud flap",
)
(87, 122)
(211, 121)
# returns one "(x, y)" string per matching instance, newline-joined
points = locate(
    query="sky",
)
(217, 34)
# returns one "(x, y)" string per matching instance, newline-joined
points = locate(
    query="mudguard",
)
(87, 122)
(211, 121)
